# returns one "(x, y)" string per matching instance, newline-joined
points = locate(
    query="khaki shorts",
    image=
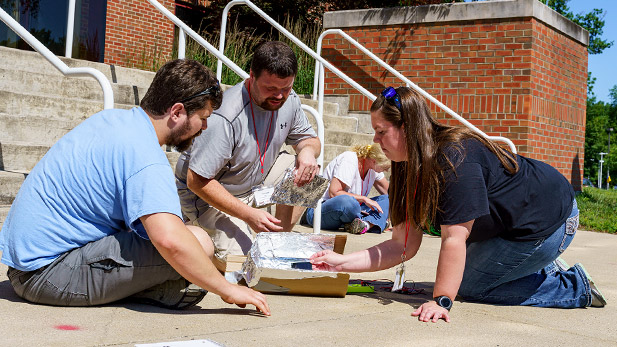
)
(232, 235)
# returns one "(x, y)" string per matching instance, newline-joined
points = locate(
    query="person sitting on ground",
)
(238, 157)
(505, 219)
(98, 219)
(352, 174)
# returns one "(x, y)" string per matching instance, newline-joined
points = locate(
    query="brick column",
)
(137, 34)
(512, 68)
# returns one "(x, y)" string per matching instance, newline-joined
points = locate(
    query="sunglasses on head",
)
(392, 97)
(213, 90)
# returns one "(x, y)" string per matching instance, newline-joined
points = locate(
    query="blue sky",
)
(602, 66)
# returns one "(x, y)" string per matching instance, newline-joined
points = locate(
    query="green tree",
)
(592, 21)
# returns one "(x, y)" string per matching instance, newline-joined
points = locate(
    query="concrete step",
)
(34, 62)
(63, 108)
(33, 128)
(4, 211)
(329, 108)
(364, 122)
(23, 156)
(336, 123)
(9, 186)
(341, 100)
(71, 87)
(347, 139)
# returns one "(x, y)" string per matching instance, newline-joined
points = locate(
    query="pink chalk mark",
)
(67, 327)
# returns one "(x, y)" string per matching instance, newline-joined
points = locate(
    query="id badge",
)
(262, 195)
(399, 278)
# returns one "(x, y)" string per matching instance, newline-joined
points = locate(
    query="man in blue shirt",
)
(98, 219)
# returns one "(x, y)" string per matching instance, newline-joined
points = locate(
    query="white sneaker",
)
(597, 299)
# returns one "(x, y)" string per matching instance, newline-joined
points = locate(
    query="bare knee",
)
(204, 239)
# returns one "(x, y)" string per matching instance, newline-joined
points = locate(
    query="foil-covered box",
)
(278, 263)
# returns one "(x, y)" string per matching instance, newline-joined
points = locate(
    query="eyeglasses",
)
(392, 96)
(214, 90)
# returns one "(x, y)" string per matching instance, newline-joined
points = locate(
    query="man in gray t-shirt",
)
(238, 152)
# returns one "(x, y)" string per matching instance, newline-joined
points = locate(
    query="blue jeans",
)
(505, 272)
(343, 209)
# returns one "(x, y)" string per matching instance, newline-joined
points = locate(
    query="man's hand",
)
(430, 311)
(242, 296)
(261, 221)
(306, 168)
(306, 163)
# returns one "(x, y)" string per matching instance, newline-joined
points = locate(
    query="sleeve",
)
(151, 190)
(346, 167)
(464, 195)
(301, 128)
(213, 149)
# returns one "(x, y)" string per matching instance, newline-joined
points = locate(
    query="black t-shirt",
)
(528, 205)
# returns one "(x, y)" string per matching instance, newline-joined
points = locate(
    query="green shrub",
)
(598, 209)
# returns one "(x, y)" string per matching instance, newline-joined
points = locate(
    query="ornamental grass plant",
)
(598, 209)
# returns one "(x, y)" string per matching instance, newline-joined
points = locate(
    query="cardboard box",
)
(295, 281)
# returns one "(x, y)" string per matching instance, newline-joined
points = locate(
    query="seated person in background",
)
(352, 174)
(239, 153)
(98, 219)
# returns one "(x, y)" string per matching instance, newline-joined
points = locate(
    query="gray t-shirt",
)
(227, 150)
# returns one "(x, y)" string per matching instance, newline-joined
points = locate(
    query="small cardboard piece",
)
(298, 282)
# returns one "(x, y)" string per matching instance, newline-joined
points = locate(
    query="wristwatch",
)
(444, 302)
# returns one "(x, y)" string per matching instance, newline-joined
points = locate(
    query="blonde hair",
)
(373, 152)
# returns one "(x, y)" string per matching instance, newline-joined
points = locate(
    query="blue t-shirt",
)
(99, 179)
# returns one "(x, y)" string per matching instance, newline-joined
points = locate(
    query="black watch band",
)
(444, 302)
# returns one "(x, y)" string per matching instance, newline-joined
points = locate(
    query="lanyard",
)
(262, 157)
(362, 192)
(404, 255)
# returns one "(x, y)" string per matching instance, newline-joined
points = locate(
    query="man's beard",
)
(266, 106)
(175, 138)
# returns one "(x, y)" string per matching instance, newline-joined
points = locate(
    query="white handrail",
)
(70, 27)
(108, 93)
(287, 34)
(199, 39)
(319, 69)
(321, 135)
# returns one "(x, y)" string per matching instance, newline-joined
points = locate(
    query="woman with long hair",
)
(346, 204)
(504, 218)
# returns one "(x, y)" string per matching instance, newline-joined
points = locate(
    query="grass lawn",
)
(598, 209)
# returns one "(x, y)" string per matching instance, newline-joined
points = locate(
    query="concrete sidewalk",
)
(380, 318)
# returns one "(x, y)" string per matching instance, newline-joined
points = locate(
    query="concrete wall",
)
(137, 34)
(513, 68)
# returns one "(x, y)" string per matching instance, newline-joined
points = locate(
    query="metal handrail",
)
(321, 135)
(108, 93)
(320, 70)
(186, 30)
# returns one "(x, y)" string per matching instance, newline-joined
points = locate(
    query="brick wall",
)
(137, 34)
(516, 77)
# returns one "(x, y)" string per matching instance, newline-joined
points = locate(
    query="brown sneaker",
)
(174, 295)
(357, 226)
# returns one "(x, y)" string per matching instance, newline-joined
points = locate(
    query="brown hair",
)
(275, 57)
(420, 178)
(178, 80)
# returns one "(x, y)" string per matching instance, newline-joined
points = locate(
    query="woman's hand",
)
(371, 203)
(430, 311)
(327, 261)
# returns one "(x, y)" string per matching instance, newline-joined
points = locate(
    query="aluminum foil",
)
(281, 250)
(287, 193)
